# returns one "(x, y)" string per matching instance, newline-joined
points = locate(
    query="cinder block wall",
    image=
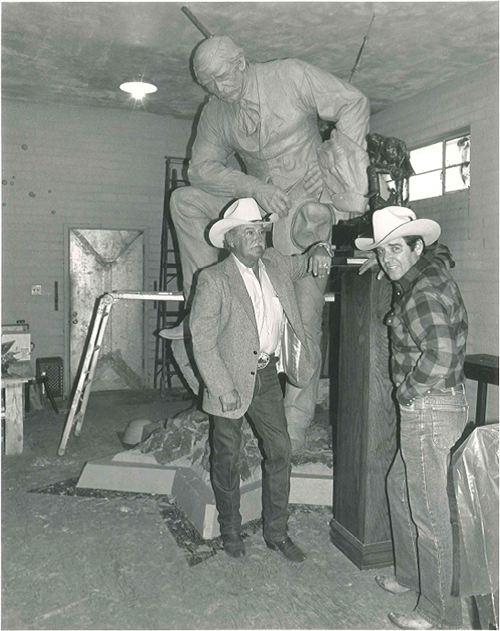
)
(79, 167)
(469, 219)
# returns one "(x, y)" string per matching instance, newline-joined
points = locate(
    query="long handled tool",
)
(196, 22)
(361, 51)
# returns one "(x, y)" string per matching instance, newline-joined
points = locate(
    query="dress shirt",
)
(266, 304)
(428, 330)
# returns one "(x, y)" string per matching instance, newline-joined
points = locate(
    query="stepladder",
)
(91, 352)
(93, 346)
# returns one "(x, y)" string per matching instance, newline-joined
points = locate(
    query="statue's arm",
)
(209, 167)
(335, 100)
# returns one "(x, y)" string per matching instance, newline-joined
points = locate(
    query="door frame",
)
(68, 385)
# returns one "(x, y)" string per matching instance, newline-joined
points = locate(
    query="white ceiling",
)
(77, 53)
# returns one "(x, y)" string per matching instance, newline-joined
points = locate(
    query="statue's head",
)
(219, 65)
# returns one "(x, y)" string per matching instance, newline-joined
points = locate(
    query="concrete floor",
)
(127, 561)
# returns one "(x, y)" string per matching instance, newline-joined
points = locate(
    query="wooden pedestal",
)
(365, 441)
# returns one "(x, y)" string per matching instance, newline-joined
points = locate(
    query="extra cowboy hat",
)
(242, 212)
(287, 231)
(396, 221)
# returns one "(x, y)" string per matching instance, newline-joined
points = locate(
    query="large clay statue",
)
(266, 114)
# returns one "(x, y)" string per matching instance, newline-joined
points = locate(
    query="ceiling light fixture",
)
(138, 88)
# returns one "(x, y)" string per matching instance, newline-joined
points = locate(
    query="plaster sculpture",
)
(267, 113)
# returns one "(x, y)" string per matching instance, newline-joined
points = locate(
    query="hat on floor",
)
(242, 212)
(396, 221)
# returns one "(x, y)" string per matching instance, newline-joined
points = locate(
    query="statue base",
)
(175, 462)
(193, 495)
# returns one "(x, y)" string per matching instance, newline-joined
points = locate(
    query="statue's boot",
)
(178, 332)
(185, 364)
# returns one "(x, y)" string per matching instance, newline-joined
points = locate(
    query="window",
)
(440, 168)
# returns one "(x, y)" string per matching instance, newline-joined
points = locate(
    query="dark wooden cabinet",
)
(365, 424)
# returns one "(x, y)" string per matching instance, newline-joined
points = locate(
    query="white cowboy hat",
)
(243, 211)
(396, 221)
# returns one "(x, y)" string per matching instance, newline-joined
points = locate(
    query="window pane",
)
(426, 185)
(457, 150)
(457, 178)
(427, 158)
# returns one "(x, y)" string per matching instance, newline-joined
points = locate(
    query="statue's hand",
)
(368, 264)
(273, 199)
(230, 401)
(313, 182)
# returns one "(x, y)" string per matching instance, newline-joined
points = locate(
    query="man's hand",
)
(230, 401)
(319, 261)
(313, 182)
(273, 199)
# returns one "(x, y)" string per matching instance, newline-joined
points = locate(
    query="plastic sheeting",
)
(475, 478)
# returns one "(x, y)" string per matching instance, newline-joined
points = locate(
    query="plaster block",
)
(197, 501)
(106, 474)
(192, 495)
(311, 489)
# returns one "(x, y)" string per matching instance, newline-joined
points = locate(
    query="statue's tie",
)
(249, 117)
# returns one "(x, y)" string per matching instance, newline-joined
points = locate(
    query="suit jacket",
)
(224, 329)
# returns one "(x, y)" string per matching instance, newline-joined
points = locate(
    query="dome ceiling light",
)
(138, 88)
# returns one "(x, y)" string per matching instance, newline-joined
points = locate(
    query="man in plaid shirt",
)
(428, 333)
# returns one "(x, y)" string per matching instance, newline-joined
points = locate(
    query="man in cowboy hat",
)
(428, 333)
(237, 320)
(266, 113)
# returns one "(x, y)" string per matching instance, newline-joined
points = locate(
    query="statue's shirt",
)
(284, 98)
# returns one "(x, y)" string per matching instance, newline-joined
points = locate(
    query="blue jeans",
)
(419, 505)
(268, 415)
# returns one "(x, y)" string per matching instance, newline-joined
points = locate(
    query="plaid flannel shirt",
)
(428, 330)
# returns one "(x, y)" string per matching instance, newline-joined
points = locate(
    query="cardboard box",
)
(21, 349)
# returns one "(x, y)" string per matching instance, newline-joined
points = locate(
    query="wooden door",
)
(101, 261)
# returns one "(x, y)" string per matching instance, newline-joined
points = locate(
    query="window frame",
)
(442, 139)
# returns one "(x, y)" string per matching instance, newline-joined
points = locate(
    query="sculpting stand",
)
(365, 440)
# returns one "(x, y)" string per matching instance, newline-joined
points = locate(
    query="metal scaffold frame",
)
(91, 352)
(95, 337)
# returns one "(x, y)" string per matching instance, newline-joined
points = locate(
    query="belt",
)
(460, 389)
(264, 359)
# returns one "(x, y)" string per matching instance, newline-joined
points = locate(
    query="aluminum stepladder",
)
(93, 346)
(95, 337)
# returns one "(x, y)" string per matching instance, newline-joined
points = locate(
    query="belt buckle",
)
(263, 360)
